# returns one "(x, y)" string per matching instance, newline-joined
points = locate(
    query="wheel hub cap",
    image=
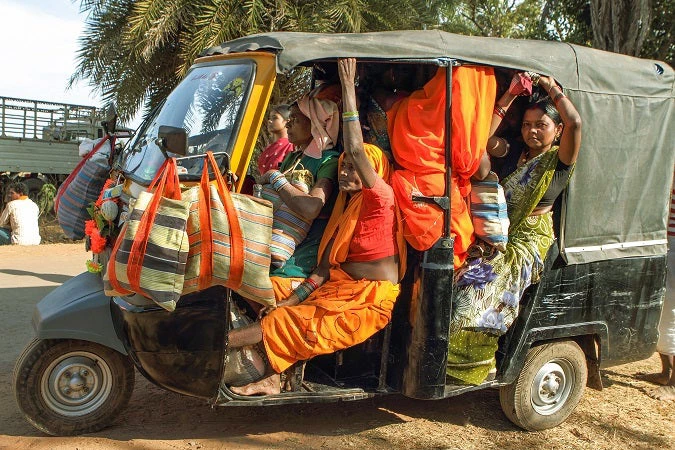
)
(552, 386)
(76, 384)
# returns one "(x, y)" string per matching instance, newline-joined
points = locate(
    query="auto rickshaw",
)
(598, 302)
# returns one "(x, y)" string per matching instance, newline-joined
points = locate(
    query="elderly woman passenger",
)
(313, 128)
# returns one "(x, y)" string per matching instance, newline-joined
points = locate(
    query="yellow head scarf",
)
(345, 214)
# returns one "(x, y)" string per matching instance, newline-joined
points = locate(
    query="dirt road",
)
(621, 416)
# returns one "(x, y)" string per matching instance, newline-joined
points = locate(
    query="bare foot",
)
(656, 378)
(663, 393)
(269, 385)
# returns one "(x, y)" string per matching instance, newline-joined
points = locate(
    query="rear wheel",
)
(67, 387)
(548, 388)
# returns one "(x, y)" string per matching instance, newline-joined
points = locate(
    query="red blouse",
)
(375, 233)
(273, 154)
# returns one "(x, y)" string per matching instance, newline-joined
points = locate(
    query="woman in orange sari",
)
(418, 134)
(351, 294)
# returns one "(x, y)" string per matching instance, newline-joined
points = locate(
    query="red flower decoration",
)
(89, 226)
(98, 242)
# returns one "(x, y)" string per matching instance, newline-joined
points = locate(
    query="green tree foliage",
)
(660, 42)
(568, 21)
(495, 18)
(45, 199)
(135, 51)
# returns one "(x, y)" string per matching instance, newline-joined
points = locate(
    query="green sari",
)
(488, 290)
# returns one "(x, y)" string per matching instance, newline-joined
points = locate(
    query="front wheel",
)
(68, 387)
(548, 388)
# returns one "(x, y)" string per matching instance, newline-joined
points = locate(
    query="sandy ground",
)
(620, 416)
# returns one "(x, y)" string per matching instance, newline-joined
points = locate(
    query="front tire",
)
(69, 387)
(548, 388)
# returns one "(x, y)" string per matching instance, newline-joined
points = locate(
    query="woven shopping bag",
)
(82, 187)
(230, 237)
(488, 212)
(289, 228)
(150, 254)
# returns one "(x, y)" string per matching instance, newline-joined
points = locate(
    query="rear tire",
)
(548, 388)
(69, 387)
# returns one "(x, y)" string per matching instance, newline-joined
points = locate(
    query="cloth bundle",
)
(82, 187)
(176, 242)
(241, 366)
(289, 228)
(488, 213)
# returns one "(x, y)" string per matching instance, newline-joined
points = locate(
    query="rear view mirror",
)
(172, 140)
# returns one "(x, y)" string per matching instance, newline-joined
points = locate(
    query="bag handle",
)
(236, 235)
(295, 164)
(167, 186)
(77, 168)
(205, 230)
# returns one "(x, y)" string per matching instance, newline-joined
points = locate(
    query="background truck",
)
(39, 140)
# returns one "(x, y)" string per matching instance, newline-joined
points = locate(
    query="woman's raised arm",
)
(351, 127)
(570, 140)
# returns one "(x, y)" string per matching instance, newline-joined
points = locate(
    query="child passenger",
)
(271, 157)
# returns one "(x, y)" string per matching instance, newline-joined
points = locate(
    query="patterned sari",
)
(488, 290)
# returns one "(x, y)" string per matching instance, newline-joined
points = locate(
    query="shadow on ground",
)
(51, 277)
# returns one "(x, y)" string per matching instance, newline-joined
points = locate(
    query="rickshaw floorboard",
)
(309, 393)
(317, 387)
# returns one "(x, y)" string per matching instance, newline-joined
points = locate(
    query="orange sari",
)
(342, 312)
(417, 133)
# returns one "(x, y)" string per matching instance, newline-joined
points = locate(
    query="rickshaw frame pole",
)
(448, 148)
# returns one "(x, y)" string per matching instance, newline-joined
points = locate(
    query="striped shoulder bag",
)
(229, 237)
(151, 252)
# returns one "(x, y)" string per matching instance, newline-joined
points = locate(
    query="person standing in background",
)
(19, 219)
(666, 343)
(271, 157)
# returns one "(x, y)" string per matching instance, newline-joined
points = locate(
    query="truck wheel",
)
(548, 388)
(68, 387)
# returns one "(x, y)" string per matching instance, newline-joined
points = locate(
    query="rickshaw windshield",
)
(207, 104)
